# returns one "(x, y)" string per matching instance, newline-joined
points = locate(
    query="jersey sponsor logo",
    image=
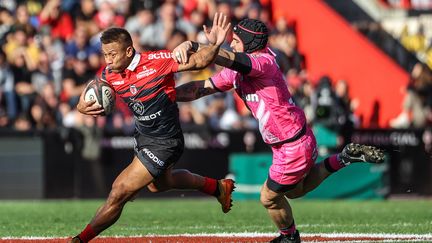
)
(252, 98)
(149, 117)
(138, 108)
(118, 82)
(153, 157)
(133, 89)
(163, 55)
(145, 72)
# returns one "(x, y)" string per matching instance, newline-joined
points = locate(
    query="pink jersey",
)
(265, 92)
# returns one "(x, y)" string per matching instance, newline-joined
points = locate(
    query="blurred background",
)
(359, 68)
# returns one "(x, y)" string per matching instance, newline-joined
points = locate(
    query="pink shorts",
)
(292, 161)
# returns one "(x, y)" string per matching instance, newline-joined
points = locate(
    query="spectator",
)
(347, 118)
(76, 75)
(80, 47)
(23, 20)
(7, 92)
(22, 123)
(19, 43)
(54, 49)
(107, 17)
(45, 108)
(23, 54)
(6, 23)
(84, 16)
(168, 22)
(329, 110)
(59, 22)
(288, 57)
(302, 97)
(142, 24)
(190, 117)
(416, 110)
(42, 75)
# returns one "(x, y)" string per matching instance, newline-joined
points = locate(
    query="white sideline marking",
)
(256, 234)
(246, 188)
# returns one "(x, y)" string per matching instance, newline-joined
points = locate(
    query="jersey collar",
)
(134, 63)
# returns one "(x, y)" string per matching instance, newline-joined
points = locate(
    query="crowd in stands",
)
(408, 4)
(50, 49)
(412, 34)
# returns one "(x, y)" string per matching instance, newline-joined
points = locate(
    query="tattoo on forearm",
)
(205, 56)
(192, 91)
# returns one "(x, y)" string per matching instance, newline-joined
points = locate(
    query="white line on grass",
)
(257, 234)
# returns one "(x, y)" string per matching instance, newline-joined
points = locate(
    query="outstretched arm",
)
(239, 62)
(206, 55)
(194, 90)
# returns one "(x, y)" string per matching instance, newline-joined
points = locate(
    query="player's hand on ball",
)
(180, 53)
(97, 99)
(89, 107)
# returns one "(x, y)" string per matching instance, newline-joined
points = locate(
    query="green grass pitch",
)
(177, 216)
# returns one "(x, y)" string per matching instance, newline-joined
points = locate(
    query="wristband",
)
(195, 46)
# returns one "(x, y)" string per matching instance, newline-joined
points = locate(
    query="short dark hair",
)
(119, 35)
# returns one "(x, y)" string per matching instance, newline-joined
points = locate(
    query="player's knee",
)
(119, 194)
(266, 201)
(161, 184)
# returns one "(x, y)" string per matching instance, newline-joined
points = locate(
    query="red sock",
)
(333, 164)
(87, 234)
(210, 185)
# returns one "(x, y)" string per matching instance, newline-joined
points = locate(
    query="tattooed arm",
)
(194, 90)
(238, 61)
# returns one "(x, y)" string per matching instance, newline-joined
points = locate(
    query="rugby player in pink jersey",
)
(251, 69)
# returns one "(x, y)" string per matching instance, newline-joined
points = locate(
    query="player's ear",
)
(129, 51)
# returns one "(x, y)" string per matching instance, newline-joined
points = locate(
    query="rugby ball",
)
(103, 93)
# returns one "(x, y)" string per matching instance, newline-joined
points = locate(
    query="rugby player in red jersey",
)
(145, 81)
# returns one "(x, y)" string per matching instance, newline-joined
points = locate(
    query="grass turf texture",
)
(179, 216)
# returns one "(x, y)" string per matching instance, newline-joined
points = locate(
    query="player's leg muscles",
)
(176, 179)
(127, 184)
(277, 207)
(315, 177)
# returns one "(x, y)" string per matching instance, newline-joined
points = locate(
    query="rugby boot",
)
(76, 239)
(291, 238)
(353, 153)
(226, 187)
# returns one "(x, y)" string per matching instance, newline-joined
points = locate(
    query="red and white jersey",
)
(147, 85)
